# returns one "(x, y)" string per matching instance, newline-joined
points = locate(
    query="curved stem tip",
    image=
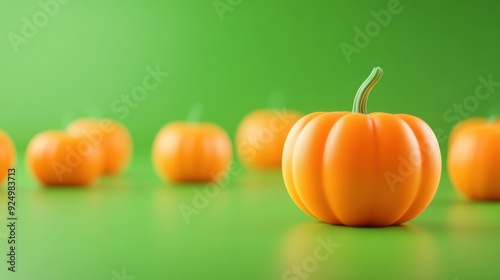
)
(361, 98)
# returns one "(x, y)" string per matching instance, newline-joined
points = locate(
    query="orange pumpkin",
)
(57, 158)
(192, 152)
(261, 136)
(362, 170)
(111, 137)
(474, 158)
(7, 155)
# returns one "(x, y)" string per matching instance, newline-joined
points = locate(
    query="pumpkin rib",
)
(197, 166)
(333, 213)
(293, 189)
(211, 150)
(467, 183)
(418, 187)
(175, 172)
(165, 161)
(491, 193)
(313, 116)
(429, 164)
(377, 205)
(303, 169)
(495, 192)
(345, 187)
(217, 154)
(391, 203)
(185, 147)
(288, 162)
(481, 193)
(494, 166)
(376, 160)
(371, 216)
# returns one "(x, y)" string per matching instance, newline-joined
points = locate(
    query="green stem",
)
(195, 113)
(276, 100)
(492, 118)
(361, 98)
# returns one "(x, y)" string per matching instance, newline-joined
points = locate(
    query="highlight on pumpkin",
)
(335, 164)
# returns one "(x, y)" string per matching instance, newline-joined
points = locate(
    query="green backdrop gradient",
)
(92, 53)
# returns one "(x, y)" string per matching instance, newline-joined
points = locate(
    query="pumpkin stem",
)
(361, 98)
(492, 118)
(195, 113)
(276, 100)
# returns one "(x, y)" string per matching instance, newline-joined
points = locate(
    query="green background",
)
(90, 53)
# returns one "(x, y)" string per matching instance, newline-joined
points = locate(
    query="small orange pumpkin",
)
(261, 136)
(7, 155)
(57, 158)
(474, 158)
(111, 137)
(192, 152)
(362, 170)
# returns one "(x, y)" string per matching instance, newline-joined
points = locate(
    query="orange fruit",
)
(191, 152)
(111, 137)
(57, 158)
(474, 158)
(350, 168)
(261, 136)
(7, 155)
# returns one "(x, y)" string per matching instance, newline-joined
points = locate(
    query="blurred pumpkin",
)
(474, 158)
(261, 136)
(57, 158)
(192, 152)
(7, 155)
(111, 137)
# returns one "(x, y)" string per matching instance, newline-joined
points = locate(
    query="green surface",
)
(90, 55)
(250, 230)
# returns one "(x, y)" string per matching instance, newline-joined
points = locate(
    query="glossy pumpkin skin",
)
(361, 170)
(111, 137)
(192, 152)
(7, 155)
(56, 158)
(261, 136)
(474, 158)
